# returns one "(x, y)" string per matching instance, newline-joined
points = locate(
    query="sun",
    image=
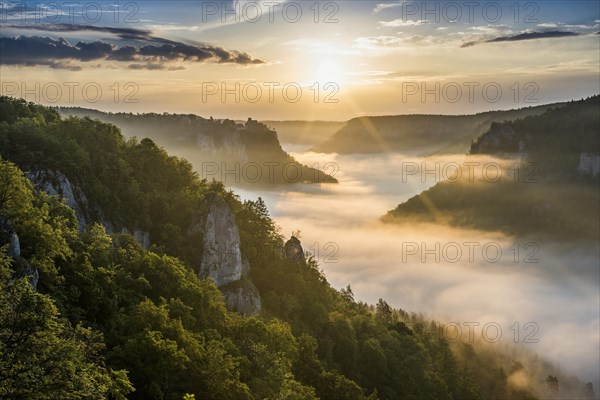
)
(329, 71)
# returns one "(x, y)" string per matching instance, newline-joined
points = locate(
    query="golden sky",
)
(300, 59)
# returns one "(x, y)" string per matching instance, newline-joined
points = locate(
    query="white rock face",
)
(228, 145)
(8, 235)
(143, 237)
(56, 183)
(233, 145)
(23, 268)
(244, 300)
(589, 164)
(222, 258)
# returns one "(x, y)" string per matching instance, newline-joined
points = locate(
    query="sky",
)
(300, 60)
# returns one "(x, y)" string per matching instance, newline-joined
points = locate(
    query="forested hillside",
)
(239, 154)
(89, 312)
(418, 134)
(550, 188)
(307, 133)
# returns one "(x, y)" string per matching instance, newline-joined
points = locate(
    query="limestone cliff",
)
(242, 297)
(221, 256)
(222, 259)
(56, 183)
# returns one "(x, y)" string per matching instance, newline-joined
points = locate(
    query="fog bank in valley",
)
(549, 289)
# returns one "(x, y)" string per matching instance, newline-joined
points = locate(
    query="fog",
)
(554, 286)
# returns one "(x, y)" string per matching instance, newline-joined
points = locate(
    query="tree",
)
(552, 382)
(589, 391)
(383, 311)
(42, 356)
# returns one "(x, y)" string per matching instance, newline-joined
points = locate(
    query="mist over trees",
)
(549, 189)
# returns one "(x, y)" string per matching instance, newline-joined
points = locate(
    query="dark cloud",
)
(155, 67)
(59, 53)
(122, 33)
(524, 36)
(55, 53)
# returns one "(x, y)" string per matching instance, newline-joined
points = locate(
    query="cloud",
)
(123, 33)
(155, 67)
(400, 42)
(533, 35)
(492, 29)
(401, 22)
(378, 41)
(59, 53)
(384, 6)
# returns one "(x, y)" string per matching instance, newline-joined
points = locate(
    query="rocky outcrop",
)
(589, 164)
(56, 183)
(292, 250)
(232, 146)
(228, 146)
(243, 297)
(143, 237)
(10, 237)
(221, 257)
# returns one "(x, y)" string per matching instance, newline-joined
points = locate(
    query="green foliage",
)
(42, 356)
(45, 225)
